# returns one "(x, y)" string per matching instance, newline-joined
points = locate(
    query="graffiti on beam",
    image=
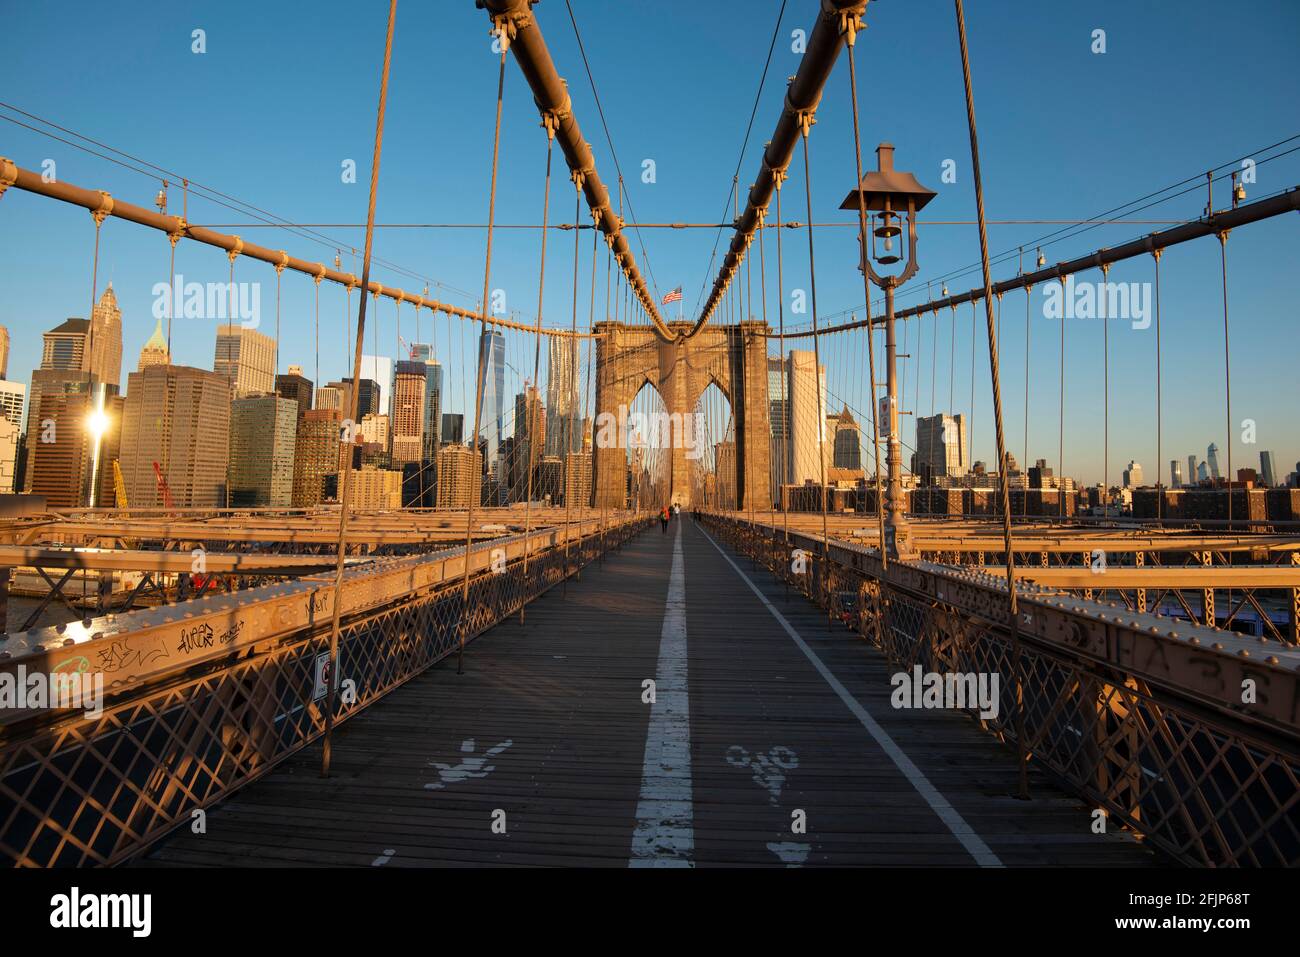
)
(195, 639)
(317, 602)
(121, 653)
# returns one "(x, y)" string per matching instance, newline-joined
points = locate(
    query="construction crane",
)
(164, 492)
(119, 486)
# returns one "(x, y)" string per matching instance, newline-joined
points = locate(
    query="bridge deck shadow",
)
(544, 735)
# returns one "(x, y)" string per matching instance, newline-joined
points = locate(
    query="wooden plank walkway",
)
(547, 726)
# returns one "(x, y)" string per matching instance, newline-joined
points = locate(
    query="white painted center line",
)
(665, 829)
(955, 823)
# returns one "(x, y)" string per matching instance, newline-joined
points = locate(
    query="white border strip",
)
(665, 824)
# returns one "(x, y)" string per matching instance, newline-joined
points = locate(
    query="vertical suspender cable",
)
(531, 402)
(316, 326)
(230, 359)
(1105, 391)
(970, 433)
(571, 349)
(331, 679)
(1025, 464)
(1227, 365)
(1227, 400)
(1060, 428)
(504, 29)
(934, 362)
(805, 122)
(1160, 468)
(279, 271)
(1012, 611)
(88, 361)
(786, 429)
(172, 239)
(771, 432)
(582, 417)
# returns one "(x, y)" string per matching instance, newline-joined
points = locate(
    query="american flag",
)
(674, 296)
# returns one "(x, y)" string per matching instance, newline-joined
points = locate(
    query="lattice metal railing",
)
(1203, 785)
(95, 791)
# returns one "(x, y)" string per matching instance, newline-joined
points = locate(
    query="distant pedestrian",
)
(663, 519)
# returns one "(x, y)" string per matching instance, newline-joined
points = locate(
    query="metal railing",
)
(172, 740)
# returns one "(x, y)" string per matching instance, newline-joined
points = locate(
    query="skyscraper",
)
(64, 371)
(369, 398)
(1133, 475)
(316, 455)
(105, 345)
(12, 400)
(406, 420)
(491, 388)
(1266, 473)
(372, 489)
(9, 449)
(4, 353)
(379, 369)
(453, 428)
(64, 470)
(1193, 474)
(1175, 474)
(178, 417)
(335, 396)
(577, 479)
(779, 416)
(263, 433)
(529, 445)
(13, 397)
(245, 358)
(562, 415)
(294, 385)
(47, 382)
(807, 398)
(1212, 458)
(154, 352)
(64, 346)
(460, 476)
(432, 411)
(374, 430)
(940, 445)
(847, 441)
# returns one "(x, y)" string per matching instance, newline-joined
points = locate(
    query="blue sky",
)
(281, 99)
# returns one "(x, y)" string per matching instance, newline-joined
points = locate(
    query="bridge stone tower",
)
(734, 357)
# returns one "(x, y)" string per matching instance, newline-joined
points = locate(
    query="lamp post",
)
(892, 197)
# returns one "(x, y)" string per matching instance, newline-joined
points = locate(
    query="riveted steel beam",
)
(99, 202)
(1220, 222)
